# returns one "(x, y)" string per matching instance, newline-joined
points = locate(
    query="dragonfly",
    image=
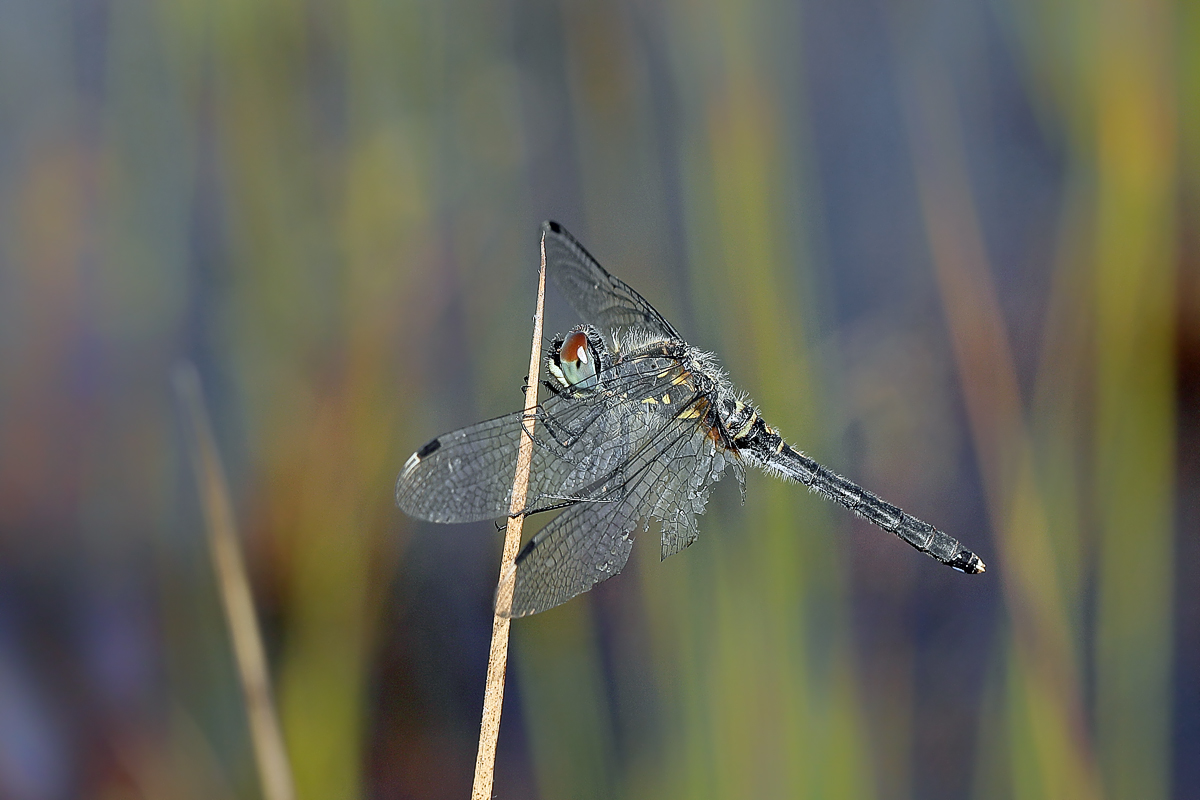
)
(637, 427)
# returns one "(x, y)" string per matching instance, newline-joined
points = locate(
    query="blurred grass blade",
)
(1134, 425)
(273, 768)
(1049, 683)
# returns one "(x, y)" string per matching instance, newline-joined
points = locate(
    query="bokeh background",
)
(950, 248)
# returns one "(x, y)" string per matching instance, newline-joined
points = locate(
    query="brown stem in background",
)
(274, 771)
(493, 695)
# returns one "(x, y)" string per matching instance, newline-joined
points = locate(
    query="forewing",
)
(581, 445)
(599, 298)
(465, 475)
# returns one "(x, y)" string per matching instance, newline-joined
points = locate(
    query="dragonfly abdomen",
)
(778, 457)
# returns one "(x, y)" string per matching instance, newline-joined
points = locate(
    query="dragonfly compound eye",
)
(577, 361)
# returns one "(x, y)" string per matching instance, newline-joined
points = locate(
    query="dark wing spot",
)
(553, 226)
(429, 448)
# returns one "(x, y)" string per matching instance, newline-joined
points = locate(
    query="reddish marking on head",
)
(573, 345)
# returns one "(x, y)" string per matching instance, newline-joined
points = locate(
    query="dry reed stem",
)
(273, 768)
(493, 696)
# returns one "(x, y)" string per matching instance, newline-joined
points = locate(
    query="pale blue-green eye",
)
(577, 362)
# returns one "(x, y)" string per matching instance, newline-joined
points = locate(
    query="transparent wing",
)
(599, 298)
(585, 544)
(680, 493)
(667, 478)
(581, 446)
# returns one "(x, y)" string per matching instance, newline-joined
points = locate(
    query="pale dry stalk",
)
(493, 696)
(274, 771)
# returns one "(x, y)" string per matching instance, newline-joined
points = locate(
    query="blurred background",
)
(950, 249)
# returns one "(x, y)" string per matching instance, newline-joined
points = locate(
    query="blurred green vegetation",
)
(950, 249)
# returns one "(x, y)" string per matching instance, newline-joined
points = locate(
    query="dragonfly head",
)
(578, 358)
